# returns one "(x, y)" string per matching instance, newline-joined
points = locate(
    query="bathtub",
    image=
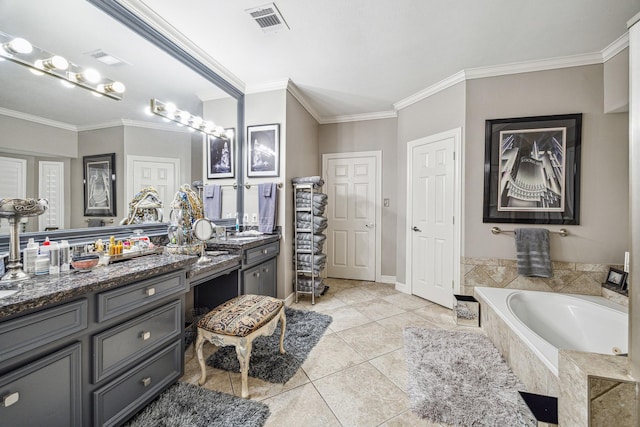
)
(547, 321)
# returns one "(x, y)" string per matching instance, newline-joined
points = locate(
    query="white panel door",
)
(51, 187)
(431, 220)
(161, 173)
(13, 183)
(351, 213)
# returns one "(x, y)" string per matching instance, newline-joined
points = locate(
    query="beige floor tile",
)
(260, 389)
(393, 366)
(437, 315)
(362, 396)
(381, 289)
(404, 320)
(346, 317)
(371, 340)
(302, 406)
(354, 295)
(407, 419)
(377, 309)
(330, 355)
(406, 301)
(323, 304)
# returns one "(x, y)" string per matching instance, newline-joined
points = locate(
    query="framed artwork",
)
(616, 277)
(532, 170)
(99, 185)
(221, 156)
(263, 153)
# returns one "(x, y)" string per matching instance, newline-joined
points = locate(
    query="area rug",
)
(303, 331)
(187, 405)
(460, 379)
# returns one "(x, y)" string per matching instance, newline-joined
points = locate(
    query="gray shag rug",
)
(303, 331)
(187, 405)
(460, 379)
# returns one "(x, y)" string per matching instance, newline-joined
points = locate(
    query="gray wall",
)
(602, 234)
(616, 83)
(302, 159)
(22, 136)
(440, 112)
(371, 135)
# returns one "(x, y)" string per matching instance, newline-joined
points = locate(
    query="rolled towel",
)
(317, 181)
(316, 197)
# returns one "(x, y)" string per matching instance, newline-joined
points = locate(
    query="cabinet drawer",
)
(122, 345)
(35, 330)
(122, 300)
(45, 392)
(125, 395)
(255, 255)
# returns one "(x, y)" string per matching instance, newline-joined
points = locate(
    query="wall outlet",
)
(386, 203)
(254, 219)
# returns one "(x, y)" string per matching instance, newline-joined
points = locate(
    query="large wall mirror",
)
(47, 130)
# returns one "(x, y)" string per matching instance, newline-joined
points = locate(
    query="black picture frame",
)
(99, 178)
(532, 170)
(221, 156)
(263, 150)
(616, 277)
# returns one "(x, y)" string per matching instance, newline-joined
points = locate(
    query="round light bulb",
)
(19, 45)
(56, 62)
(229, 133)
(219, 130)
(67, 84)
(184, 117)
(170, 107)
(37, 64)
(96, 94)
(118, 87)
(147, 111)
(91, 75)
(196, 121)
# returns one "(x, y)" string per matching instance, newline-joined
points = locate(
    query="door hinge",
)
(454, 219)
(454, 155)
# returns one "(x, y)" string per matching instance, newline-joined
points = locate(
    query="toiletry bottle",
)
(42, 265)
(237, 223)
(29, 257)
(65, 256)
(44, 248)
(54, 258)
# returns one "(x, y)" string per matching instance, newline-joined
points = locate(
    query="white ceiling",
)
(351, 57)
(347, 58)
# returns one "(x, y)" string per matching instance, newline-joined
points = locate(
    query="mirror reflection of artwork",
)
(220, 157)
(263, 155)
(532, 170)
(99, 185)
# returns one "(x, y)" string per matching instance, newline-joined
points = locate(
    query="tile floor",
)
(356, 375)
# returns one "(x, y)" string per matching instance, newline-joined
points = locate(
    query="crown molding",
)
(37, 119)
(146, 14)
(298, 95)
(391, 114)
(268, 86)
(620, 44)
(171, 127)
(431, 90)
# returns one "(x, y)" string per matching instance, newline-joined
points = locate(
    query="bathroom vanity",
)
(92, 348)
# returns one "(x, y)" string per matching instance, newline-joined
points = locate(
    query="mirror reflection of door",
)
(13, 183)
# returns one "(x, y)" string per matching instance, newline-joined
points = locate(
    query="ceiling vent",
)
(105, 58)
(268, 18)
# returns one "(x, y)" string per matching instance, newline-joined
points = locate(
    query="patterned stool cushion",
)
(241, 315)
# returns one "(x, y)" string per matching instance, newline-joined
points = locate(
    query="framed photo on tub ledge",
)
(99, 184)
(532, 170)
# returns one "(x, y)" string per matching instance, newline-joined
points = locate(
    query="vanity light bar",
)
(40, 62)
(169, 111)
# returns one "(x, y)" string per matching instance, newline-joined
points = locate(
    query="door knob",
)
(370, 225)
(416, 229)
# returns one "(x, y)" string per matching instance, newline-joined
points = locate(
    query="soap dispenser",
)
(29, 256)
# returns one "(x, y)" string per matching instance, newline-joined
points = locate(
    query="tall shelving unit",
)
(307, 279)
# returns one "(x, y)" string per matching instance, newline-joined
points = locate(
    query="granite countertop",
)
(218, 262)
(40, 291)
(235, 244)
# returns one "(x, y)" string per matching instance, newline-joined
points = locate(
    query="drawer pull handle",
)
(146, 381)
(264, 251)
(266, 270)
(145, 335)
(256, 274)
(150, 292)
(10, 399)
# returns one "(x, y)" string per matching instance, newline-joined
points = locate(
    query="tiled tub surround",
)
(568, 277)
(532, 358)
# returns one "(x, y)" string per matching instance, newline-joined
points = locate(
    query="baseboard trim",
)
(401, 287)
(386, 279)
(290, 299)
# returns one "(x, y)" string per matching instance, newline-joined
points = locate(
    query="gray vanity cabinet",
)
(259, 272)
(94, 361)
(46, 392)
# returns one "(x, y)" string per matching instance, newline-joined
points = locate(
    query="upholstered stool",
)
(238, 322)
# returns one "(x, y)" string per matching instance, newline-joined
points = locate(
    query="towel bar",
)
(248, 185)
(562, 232)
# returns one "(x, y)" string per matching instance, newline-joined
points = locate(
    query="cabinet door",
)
(268, 278)
(251, 280)
(45, 392)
